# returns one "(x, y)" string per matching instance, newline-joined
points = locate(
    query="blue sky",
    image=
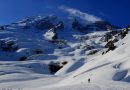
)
(115, 11)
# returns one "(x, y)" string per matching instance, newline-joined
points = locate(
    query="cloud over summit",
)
(80, 14)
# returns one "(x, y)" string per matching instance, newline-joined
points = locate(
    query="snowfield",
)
(28, 49)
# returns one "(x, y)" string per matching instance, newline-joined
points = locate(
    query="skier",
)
(89, 80)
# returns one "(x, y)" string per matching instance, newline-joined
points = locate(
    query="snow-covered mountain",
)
(44, 34)
(37, 52)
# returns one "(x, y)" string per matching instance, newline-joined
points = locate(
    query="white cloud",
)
(78, 13)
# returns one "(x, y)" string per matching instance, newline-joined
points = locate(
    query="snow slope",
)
(27, 49)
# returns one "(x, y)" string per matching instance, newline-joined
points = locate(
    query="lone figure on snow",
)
(89, 80)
